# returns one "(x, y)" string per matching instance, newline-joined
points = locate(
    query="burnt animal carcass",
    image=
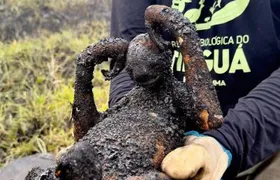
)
(130, 140)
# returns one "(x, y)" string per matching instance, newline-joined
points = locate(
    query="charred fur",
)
(130, 140)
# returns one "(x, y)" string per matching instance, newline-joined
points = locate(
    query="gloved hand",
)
(202, 157)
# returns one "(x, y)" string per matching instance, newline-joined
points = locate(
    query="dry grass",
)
(36, 87)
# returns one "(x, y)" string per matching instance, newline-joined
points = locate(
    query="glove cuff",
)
(197, 134)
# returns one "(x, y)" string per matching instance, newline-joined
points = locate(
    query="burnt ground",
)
(43, 174)
(30, 20)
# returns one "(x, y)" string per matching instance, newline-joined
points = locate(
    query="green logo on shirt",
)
(218, 14)
(218, 56)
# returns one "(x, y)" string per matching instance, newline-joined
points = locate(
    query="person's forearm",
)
(251, 130)
(120, 86)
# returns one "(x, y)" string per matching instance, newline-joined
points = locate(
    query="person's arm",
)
(251, 130)
(127, 21)
(251, 133)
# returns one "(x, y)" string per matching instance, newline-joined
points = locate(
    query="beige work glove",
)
(202, 158)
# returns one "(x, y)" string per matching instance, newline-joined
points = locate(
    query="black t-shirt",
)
(240, 39)
(240, 42)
